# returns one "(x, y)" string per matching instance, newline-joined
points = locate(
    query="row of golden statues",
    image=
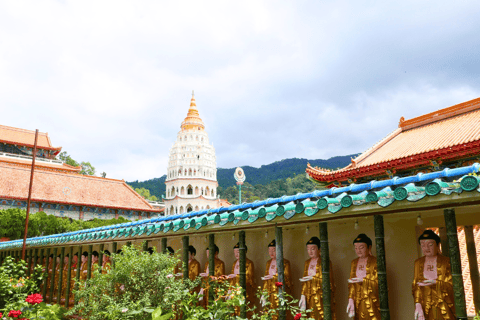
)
(431, 288)
(106, 265)
(432, 285)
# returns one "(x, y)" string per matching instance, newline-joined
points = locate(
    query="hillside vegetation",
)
(284, 177)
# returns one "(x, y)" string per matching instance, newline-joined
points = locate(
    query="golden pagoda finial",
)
(193, 120)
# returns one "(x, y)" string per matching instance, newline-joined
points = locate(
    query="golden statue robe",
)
(219, 271)
(49, 280)
(272, 289)
(56, 283)
(436, 300)
(193, 269)
(312, 290)
(365, 294)
(83, 271)
(250, 281)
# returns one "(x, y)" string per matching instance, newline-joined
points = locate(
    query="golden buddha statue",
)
(432, 283)
(106, 263)
(312, 294)
(234, 276)
(271, 277)
(49, 278)
(84, 266)
(219, 271)
(363, 302)
(56, 280)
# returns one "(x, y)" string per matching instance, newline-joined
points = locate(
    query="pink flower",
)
(297, 316)
(124, 310)
(278, 284)
(169, 275)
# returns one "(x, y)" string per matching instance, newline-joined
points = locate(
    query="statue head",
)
(94, 256)
(429, 241)
(170, 250)
(192, 252)
(65, 258)
(236, 250)
(313, 247)
(362, 245)
(84, 256)
(106, 256)
(272, 249)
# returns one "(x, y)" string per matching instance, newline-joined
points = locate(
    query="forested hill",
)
(264, 175)
(278, 170)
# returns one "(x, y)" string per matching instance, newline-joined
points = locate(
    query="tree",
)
(145, 193)
(66, 158)
(87, 168)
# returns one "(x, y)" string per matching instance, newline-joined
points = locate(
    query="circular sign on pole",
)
(239, 176)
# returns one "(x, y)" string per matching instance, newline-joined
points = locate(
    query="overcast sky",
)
(111, 81)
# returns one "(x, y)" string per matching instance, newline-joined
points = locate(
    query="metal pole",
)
(185, 257)
(164, 245)
(45, 275)
(243, 272)
(472, 259)
(89, 262)
(52, 280)
(381, 267)
(69, 278)
(211, 264)
(60, 275)
(455, 262)
(239, 194)
(326, 287)
(29, 194)
(282, 314)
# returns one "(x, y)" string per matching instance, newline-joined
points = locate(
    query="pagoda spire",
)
(193, 120)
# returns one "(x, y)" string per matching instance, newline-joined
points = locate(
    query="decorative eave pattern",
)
(322, 202)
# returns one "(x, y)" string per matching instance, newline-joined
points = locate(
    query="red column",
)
(116, 214)
(80, 214)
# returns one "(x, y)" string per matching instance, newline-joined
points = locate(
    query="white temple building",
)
(191, 183)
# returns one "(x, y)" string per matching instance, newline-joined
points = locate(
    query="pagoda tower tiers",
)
(191, 183)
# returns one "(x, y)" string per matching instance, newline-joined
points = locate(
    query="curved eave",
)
(405, 163)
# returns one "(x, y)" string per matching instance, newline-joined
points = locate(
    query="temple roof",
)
(25, 138)
(193, 120)
(447, 134)
(69, 188)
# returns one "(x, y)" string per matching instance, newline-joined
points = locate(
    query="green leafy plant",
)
(14, 283)
(139, 287)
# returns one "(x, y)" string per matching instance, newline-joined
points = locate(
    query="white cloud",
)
(110, 81)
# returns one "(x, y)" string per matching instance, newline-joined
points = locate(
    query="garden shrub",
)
(139, 284)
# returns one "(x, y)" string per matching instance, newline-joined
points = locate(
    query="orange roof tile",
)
(24, 137)
(443, 129)
(69, 188)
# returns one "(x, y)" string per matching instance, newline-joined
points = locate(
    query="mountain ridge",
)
(264, 174)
